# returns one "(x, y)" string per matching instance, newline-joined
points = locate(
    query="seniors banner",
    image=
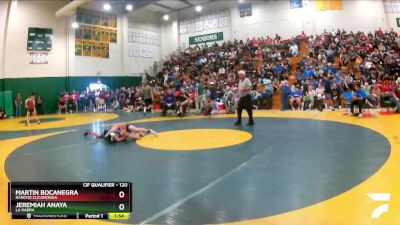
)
(206, 38)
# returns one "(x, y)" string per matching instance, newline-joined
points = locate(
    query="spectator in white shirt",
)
(294, 49)
(221, 71)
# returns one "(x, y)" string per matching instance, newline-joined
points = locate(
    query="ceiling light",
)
(198, 8)
(166, 17)
(75, 25)
(129, 7)
(107, 6)
(241, 1)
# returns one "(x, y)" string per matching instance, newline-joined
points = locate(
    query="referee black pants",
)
(359, 103)
(245, 103)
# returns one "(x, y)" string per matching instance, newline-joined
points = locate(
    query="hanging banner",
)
(294, 4)
(322, 5)
(206, 38)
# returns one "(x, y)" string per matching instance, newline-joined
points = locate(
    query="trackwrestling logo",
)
(379, 197)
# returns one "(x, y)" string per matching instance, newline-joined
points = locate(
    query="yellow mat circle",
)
(195, 139)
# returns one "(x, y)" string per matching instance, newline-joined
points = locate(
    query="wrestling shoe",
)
(154, 133)
(250, 123)
(86, 133)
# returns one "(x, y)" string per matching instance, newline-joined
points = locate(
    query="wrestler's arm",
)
(120, 138)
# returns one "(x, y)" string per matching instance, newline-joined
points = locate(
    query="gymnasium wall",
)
(214, 10)
(391, 17)
(3, 15)
(170, 36)
(136, 64)
(25, 14)
(62, 72)
(268, 18)
(276, 17)
(120, 61)
(365, 15)
(18, 74)
(1, 85)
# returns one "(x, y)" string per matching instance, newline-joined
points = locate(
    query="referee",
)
(245, 88)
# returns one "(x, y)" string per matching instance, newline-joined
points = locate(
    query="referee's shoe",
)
(250, 123)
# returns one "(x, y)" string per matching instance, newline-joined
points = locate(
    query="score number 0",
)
(121, 194)
(121, 206)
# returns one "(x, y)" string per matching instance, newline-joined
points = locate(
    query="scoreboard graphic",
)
(70, 200)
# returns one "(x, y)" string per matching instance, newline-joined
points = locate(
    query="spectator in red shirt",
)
(269, 41)
(75, 99)
(386, 86)
(259, 53)
(379, 32)
(388, 99)
(102, 101)
(363, 38)
(303, 35)
(368, 47)
(254, 41)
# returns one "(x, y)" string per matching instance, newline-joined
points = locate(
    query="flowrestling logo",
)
(384, 207)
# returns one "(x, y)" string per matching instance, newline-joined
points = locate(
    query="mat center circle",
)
(195, 139)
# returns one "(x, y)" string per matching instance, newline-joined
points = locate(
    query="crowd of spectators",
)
(207, 75)
(201, 79)
(340, 69)
(347, 69)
